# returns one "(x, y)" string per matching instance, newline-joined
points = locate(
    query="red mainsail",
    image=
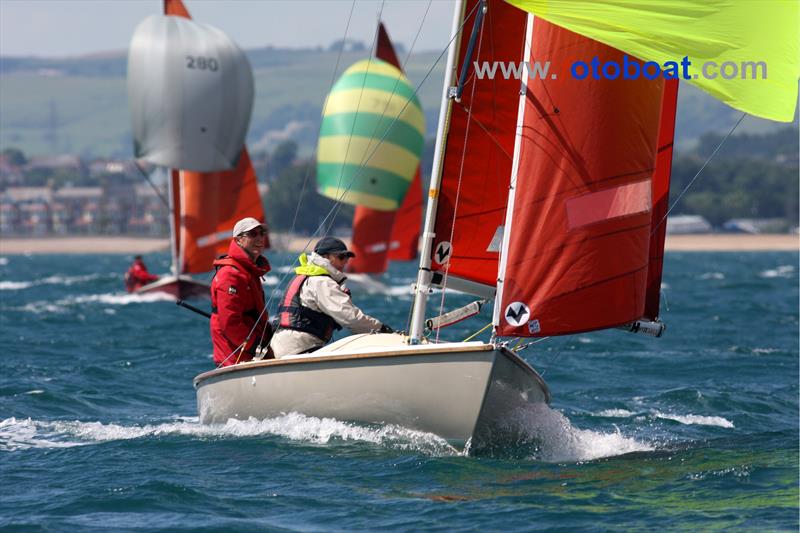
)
(478, 154)
(382, 235)
(579, 227)
(206, 205)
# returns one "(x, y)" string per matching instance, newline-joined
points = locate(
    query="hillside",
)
(79, 105)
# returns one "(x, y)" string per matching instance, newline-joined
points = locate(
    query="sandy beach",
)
(285, 242)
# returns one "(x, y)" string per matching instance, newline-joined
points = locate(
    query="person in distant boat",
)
(137, 275)
(239, 326)
(317, 303)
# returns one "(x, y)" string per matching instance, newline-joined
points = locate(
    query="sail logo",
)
(510, 69)
(442, 253)
(517, 313)
(629, 68)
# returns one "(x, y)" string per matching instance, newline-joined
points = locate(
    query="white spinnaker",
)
(190, 93)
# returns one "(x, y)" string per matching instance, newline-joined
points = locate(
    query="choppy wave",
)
(688, 419)
(63, 305)
(783, 271)
(3, 261)
(697, 420)
(22, 434)
(50, 280)
(712, 275)
(616, 413)
(15, 285)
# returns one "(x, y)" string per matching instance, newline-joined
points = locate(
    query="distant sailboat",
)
(205, 202)
(383, 236)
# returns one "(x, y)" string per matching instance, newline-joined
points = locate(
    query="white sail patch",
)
(517, 313)
(608, 204)
(214, 238)
(497, 240)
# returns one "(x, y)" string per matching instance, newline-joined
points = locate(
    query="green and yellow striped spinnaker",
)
(371, 138)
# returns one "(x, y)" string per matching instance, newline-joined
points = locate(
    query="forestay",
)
(190, 92)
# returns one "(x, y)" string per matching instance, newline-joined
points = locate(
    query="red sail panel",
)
(176, 8)
(480, 146)
(212, 203)
(371, 233)
(658, 231)
(404, 242)
(382, 235)
(580, 231)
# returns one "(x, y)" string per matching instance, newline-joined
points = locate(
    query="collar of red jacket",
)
(259, 268)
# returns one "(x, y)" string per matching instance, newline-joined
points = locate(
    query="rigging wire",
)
(358, 105)
(153, 185)
(313, 154)
(691, 182)
(484, 328)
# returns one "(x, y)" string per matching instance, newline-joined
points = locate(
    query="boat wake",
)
(547, 435)
(783, 271)
(23, 434)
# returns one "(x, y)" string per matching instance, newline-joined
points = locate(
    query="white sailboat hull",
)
(459, 391)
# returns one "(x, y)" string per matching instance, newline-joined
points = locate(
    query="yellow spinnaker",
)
(721, 31)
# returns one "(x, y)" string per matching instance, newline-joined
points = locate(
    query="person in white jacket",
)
(316, 302)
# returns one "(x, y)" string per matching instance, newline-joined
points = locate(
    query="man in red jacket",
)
(137, 275)
(238, 319)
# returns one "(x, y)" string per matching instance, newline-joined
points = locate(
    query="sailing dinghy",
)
(191, 91)
(547, 194)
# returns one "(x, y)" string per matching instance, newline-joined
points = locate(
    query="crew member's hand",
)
(385, 329)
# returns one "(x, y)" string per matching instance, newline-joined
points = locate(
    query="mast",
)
(523, 90)
(423, 285)
(173, 229)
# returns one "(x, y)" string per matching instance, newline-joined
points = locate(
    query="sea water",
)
(695, 430)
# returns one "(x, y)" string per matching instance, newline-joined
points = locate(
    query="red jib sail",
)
(580, 223)
(208, 204)
(480, 145)
(382, 235)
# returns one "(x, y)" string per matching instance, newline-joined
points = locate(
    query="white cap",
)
(246, 224)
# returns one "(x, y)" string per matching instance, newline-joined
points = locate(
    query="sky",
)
(63, 28)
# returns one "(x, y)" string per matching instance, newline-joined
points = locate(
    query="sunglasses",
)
(342, 257)
(258, 232)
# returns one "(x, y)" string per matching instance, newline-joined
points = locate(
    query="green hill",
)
(79, 105)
